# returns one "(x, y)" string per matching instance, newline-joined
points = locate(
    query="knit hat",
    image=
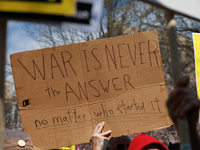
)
(142, 140)
(17, 140)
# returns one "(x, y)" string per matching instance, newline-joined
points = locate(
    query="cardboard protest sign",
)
(88, 15)
(56, 7)
(182, 7)
(77, 14)
(73, 147)
(196, 43)
(63, 92)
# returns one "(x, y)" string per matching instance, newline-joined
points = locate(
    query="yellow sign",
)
(196, 43)
(51, 7)
(68, 148)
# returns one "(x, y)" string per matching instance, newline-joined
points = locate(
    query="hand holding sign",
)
(98, 137)
(184, 102)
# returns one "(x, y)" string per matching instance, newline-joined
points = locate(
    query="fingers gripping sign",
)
(183, 101)
(98, 137)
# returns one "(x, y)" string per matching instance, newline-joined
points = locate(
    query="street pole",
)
(176, 68)
(3, 30)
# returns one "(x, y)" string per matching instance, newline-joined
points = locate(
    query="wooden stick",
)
(181, 122)
(3, 27)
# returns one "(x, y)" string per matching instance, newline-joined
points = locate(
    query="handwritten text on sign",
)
(66, 91)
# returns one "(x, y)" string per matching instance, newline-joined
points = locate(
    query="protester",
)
(119, 143)
(184, 102)
(140, 142)
(98, 137)
(17, 140)
(101, 141)
(146, 142)
(174, 146)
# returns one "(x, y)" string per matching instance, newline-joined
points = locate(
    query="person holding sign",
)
(17, 140)
(184, 102)
(98, 137)
(117, 143)
(99, 140)
(146, 142)
(140, 142)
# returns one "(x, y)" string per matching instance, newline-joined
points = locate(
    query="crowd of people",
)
(182, 102)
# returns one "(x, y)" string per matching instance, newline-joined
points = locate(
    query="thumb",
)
(183, 81)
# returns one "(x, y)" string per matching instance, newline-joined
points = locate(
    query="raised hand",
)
(98, 137)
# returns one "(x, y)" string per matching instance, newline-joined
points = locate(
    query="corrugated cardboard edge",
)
(37, 148)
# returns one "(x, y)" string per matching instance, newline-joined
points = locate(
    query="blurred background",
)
(120, 17)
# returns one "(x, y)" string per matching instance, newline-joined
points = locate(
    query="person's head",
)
(146, 142)
(17, 140)
(174, 146)
(117, 143)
